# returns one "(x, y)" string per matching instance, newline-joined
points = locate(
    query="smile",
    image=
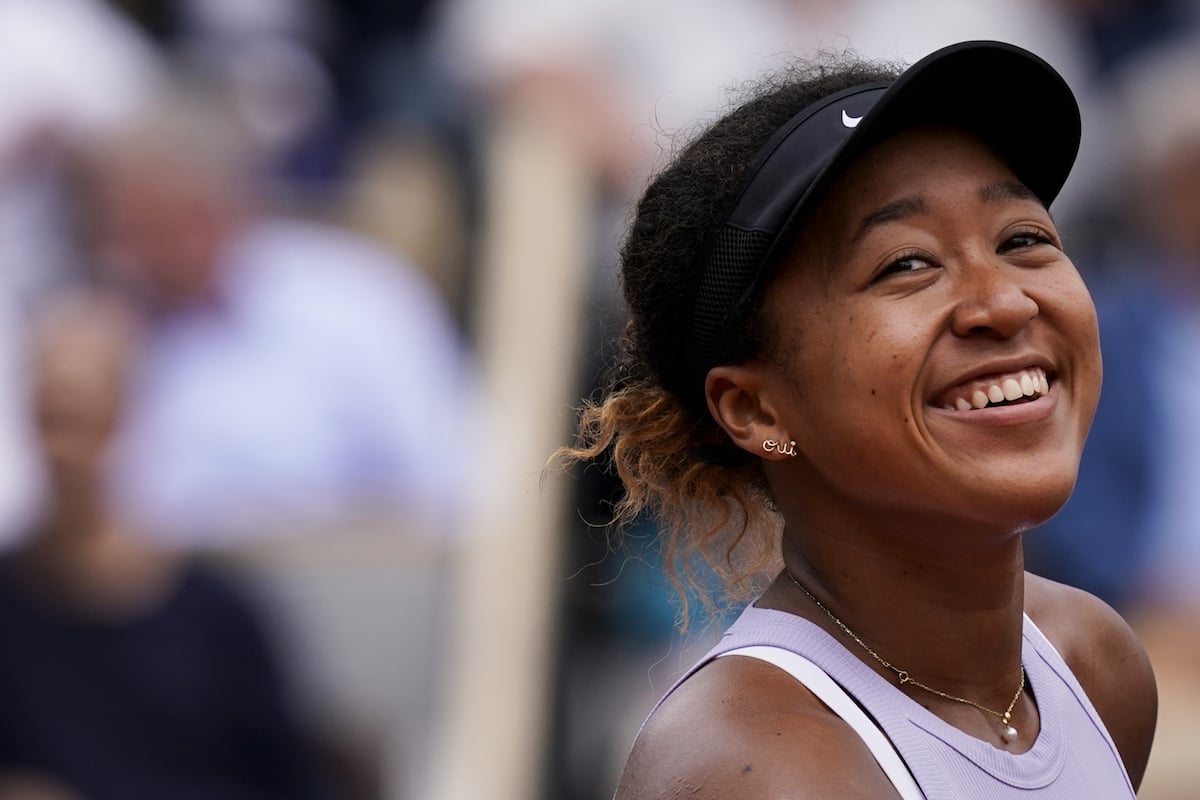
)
(998, 390)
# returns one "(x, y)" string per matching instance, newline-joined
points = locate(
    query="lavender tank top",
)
(1073, 757)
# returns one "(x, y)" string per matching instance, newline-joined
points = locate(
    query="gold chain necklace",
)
(1008, 733)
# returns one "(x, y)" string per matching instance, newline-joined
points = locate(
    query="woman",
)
(857, 345)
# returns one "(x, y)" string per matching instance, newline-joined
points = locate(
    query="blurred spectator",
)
(265, 55)
(66, 66)
(302, 404)
(364, 123)
(411, 168)
(294, 374)
(125, 673)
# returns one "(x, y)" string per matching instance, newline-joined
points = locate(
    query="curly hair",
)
(651, 423)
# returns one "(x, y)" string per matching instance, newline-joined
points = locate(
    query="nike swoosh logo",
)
(850, 121)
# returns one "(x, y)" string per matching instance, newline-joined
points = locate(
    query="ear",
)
(740, 403)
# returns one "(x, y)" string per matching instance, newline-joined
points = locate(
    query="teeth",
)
(1027, 384)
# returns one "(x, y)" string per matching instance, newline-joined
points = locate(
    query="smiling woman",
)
(860, 363)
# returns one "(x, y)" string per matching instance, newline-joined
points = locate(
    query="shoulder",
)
(341, 282)
(321, 256)
(215, 600)
(740, 728)
(1107, 659)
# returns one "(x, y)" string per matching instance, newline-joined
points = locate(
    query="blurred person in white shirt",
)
(295, 374)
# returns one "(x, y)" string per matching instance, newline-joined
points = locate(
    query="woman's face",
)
(936, 352)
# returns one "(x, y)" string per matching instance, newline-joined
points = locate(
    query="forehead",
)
(904, 175)
(917, 163)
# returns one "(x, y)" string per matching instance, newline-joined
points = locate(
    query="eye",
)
(1027, 238)
(905, 263)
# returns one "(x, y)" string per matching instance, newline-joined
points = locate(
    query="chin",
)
(1028, 502)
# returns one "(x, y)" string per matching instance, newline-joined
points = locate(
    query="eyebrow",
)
(1007, 190)
(893, 211)
(915, 204)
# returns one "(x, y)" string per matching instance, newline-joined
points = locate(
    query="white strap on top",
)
(832, 695)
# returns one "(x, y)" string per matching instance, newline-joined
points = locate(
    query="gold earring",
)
(783, 448)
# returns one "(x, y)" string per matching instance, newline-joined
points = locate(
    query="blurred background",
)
(297, 297)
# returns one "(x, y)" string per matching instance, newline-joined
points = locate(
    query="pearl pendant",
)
(1009, 734)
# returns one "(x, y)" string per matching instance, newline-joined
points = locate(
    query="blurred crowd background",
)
(297, 297)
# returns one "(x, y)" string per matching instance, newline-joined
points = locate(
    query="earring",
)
(783, 448)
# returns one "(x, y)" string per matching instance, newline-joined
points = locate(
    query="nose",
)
(993, 302)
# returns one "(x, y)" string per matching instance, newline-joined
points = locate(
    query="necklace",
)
(1007, 733)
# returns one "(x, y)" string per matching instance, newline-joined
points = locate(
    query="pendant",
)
(1009, 734)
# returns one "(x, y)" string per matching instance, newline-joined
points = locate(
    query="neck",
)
(76, 514)
(950, 615)
(85, 559)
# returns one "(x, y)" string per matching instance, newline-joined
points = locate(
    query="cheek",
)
(1091, 365)
(1068, 301)
(851, 381)
(859, 349)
